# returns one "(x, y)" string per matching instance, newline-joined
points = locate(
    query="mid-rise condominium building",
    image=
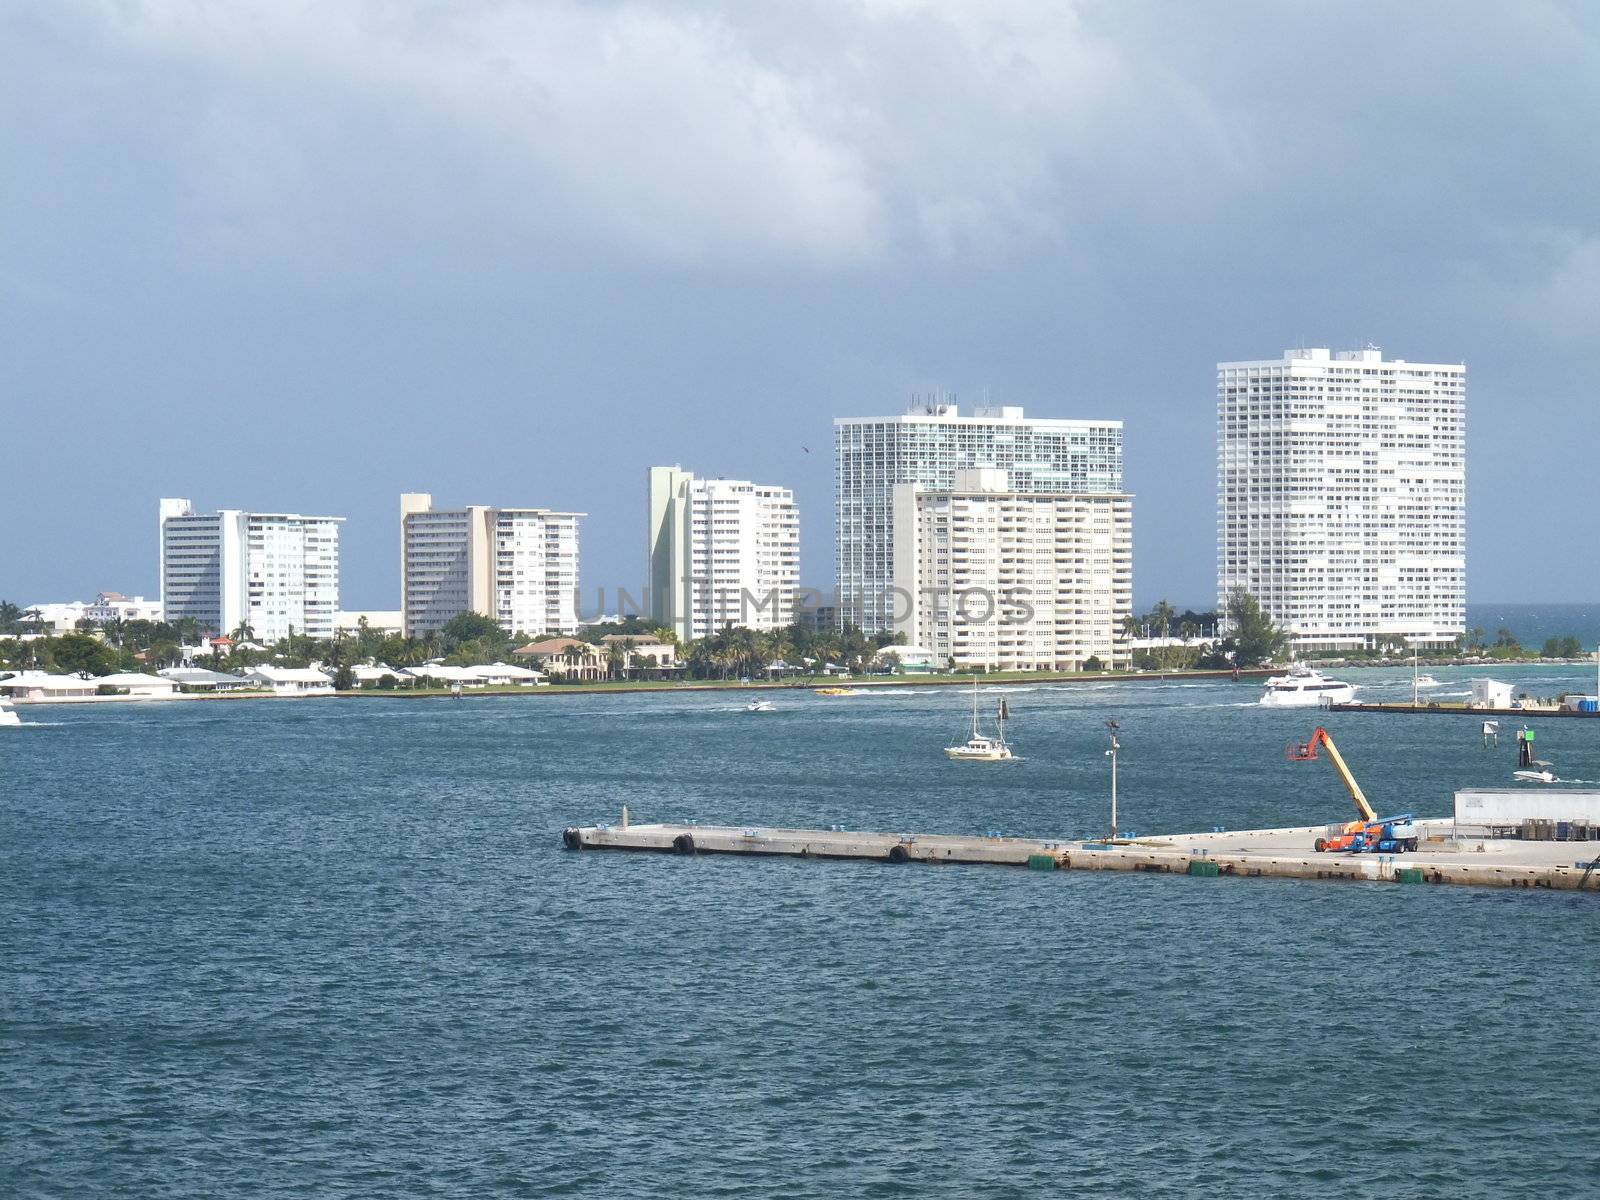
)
(276, 573)
(722, 552)
(518, 566)
(927, 446)
(1341, 496)
(991, 578)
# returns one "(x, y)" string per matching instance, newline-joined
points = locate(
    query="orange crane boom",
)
(1308, 750)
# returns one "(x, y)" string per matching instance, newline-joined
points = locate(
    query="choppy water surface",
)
(332, 948)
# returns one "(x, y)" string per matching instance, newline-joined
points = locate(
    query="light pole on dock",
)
(1112, 726)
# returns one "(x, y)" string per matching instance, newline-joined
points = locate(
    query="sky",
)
(298, 256)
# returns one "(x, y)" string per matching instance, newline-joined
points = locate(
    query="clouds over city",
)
(758, 215)
(828, 136)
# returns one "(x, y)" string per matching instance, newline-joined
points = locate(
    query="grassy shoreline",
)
(809, 683)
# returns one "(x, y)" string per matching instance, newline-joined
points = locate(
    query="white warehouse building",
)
(517, 566)
(1341, 496)
(722, 552)
(995, 579)
(275, 572)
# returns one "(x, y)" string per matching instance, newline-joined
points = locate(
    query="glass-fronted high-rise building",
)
(927, 446)
(1341, 496)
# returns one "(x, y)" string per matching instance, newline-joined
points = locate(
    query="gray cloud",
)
(508, 249)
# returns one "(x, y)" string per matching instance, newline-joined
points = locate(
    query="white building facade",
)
(926, 447)
(518, 566)
(990, 578)
(114, 606)
(1341, 496)
(275, 572)
(722, 552)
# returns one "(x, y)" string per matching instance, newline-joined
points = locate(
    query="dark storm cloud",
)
(308, 256)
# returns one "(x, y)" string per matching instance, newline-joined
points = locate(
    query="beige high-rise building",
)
(722, 552)
(992, 578)
(518, 566)
(926, 446)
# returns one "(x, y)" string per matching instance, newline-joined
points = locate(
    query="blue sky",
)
(308, 256)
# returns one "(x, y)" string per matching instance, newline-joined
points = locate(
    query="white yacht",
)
(978, 747)
(1305, 688)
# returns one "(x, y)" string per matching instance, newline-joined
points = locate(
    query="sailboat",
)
(979, 748)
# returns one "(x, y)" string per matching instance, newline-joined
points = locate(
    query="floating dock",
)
(1444, 857)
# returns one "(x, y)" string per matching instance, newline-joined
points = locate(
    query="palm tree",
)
(1161, 617)
(243, 632)
(575, 654)
(10, 617)
(617, 660)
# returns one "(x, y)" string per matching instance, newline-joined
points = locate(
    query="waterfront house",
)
(40, 687)
(199, 679)
(645, 652)
(137, 686)
(505, 674)
(566, 656)
(291, 681)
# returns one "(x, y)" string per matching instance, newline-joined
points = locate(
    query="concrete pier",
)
(1445, 856)
(1525, 712)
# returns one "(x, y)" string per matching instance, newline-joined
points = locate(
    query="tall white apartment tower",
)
(926, 447)
(274, 572)
(722, 552)
(518, 566)
(1341, 495)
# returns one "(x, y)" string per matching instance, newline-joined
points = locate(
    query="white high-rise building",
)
(722, 552)
(872, 455)
(274, 572)
(518, 566)
(992, 578)
(1341, 495)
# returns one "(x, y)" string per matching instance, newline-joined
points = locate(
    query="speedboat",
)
(759, 706)
(8, 715)
(1537, 771)
(1305, 688)
(833, 691)
(1426, 681)
(979, 747)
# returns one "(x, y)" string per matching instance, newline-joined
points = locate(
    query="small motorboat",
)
(8, 715)
(760, 706)
(1423, 681)
(1304, 688)
(833, 691)
(1537, 771)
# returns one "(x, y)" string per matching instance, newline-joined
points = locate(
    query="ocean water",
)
(1533, 623)
(332, 948)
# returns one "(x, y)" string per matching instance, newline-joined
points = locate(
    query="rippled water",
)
(332, 948)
